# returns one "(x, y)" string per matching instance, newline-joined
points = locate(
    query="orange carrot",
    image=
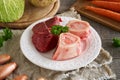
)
(105, 12)
(113, 0)
(114, 6)
(107, 0)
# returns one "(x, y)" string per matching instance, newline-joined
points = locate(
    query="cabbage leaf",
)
(11, 10)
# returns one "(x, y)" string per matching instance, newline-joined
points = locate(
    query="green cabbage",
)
(11, 10)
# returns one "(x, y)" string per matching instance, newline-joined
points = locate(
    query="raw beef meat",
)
(42, 38)
(79, 28)
(53, 21)
(44, 42)
(68, 47)
(40, 28)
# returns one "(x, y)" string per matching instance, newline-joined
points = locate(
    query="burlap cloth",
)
(97, 70)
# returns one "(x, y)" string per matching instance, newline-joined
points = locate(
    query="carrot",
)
(107, 0)
(114, 6)
(104, 12)
(113, 0)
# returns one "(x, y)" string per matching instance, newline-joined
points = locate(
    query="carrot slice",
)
(114, 6)
(104, 12)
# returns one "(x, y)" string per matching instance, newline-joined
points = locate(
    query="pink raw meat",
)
(79, 28)
(68, 47)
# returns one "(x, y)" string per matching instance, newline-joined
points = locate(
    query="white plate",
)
(44, 59)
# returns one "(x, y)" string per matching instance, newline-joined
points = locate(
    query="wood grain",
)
(32, 14)
(79, 6)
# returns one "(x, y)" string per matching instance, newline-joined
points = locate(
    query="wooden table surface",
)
(106, 35)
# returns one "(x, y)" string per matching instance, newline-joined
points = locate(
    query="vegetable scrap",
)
(5, 35)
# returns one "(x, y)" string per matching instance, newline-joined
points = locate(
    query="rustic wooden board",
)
(79, 6)
(32, 14)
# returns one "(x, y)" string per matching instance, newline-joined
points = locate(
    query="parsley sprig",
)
(116, 42)
(58, 29)
(5, 35)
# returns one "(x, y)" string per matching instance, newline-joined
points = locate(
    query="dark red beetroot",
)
(42, 38)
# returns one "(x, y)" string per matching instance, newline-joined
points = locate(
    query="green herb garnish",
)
(116, 42)
(1, 41)
(57, 29)
(5, 35)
